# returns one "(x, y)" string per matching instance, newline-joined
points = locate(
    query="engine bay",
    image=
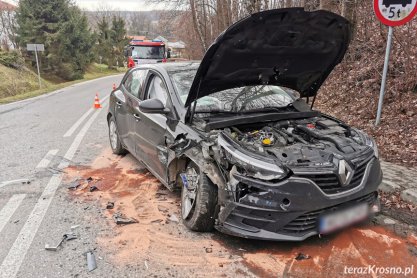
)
(313, 141)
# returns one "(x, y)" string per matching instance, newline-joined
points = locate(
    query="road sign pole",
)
(384, 75)
(37, 65)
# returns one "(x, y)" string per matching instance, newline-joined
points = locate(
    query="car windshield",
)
(148, 52)
(241, 99)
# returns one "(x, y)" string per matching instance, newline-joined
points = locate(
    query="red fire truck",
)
(145, 52)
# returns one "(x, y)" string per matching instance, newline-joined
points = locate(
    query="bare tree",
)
(7, 27)
(208, 18)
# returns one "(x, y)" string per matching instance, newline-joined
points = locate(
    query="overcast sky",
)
(120, 5)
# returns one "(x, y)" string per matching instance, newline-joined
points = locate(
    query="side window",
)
(128, 82)
(158, 90)
(134, 82)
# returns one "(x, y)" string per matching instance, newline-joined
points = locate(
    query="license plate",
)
(343, 218)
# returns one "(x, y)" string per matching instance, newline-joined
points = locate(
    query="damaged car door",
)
(151, 143)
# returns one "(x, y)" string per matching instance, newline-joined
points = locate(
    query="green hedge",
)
(11, 59)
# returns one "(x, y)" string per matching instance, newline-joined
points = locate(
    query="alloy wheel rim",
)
(189, 192)
(113, 135)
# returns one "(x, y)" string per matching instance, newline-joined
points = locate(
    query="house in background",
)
(161, 39)
(137, 38)
(177, 49)
(7, 21)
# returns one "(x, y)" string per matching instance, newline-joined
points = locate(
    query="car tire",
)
(115, 143)
(202, 215)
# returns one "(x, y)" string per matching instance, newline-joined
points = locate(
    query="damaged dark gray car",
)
(238, 136)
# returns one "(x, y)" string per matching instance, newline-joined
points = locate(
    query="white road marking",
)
(14, 182)
(18, 251)
(47, 159)
(77, 141)
(78, 123)
(9, 209)
(80, 120)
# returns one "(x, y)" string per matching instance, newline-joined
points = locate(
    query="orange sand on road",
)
(164, 244)
(156, 240)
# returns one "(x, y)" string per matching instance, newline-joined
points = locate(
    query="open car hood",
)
(286, 47)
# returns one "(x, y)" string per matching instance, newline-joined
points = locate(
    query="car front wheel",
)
(115, 143)
(198, 199)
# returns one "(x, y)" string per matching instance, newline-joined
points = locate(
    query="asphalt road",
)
(48, 141)
(39, 138)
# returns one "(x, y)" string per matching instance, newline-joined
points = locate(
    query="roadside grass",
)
(25, 82)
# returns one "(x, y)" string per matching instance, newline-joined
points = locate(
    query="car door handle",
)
(136, 117)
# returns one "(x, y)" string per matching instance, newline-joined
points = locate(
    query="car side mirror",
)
(153, 106)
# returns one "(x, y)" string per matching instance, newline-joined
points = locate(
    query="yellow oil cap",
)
(266, 141)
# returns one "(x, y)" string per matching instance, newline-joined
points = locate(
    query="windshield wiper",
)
(216, 112)
(266, 109)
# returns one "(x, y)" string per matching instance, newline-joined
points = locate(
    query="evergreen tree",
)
(77, 43)
(118, 33)
(111, 41)
(63, 29)
(104, 47)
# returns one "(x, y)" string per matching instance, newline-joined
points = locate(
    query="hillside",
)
(13, 81)
(21, 84)
(352, 91)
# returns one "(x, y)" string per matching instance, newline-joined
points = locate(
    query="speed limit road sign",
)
(395, 12)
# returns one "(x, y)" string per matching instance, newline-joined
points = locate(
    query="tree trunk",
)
(197, 26)
(348, 9)
(327, 5)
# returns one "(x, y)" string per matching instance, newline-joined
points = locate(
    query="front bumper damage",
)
(290, 210)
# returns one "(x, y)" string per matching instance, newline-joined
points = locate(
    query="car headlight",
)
(265, 169)
(364, 138)
(373, 145)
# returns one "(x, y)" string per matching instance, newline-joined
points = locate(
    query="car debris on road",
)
(74, 184)
(302, 256)
(121, 219)
(93, 184)
(173, 218)
(110, 205)
(21, 181)
(91, 261)
(65, 237)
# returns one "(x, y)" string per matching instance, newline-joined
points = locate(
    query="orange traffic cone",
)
(97, 102)
(114, 86)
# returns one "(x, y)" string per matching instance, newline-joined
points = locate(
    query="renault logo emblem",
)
(345, 173)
